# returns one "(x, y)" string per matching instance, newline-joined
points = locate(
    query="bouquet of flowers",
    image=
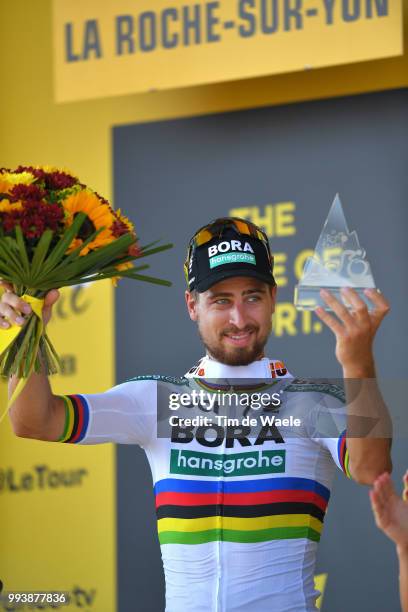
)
(54, 232)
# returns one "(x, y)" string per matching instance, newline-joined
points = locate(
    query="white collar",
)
(262, 368)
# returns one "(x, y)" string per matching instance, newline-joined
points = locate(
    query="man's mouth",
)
(239, 338)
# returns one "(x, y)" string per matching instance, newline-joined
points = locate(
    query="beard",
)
(236, 356)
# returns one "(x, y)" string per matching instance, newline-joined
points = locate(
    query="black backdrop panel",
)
(172, 177)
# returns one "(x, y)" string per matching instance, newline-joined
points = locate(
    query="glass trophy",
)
(338, 261)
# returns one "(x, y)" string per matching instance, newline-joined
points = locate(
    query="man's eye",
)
(254, 298)
(221, 301)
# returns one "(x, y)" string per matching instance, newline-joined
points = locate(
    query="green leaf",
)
(97, 277)
(58, 270)
(20, 242)
(52, 351)
(158, 249)
(34, 343)
(28, 332)
(150, 244)
(112, 270)
(5, 277)
(76, 252)
(148, 279)
(133, 273)
(7, 359)
(9, 246)
(60, 249)
(112, 264)
(95, 260)
(13, 268)
(40, 253)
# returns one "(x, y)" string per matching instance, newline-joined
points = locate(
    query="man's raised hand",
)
(354, 329)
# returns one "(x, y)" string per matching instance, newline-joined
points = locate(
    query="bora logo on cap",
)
(229, 245)
(220, 254)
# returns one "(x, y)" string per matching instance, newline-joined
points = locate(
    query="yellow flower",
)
(98, 214)
(6, 206)
(51, 169)
(125, 220)
(120, 267)
(74, 245)
(21, 178)
(5, 186)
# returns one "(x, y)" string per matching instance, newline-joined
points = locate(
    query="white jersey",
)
(239, 520)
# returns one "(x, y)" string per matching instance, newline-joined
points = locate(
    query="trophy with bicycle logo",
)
(338, 261)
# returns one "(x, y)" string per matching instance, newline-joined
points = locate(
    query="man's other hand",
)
(14, 310)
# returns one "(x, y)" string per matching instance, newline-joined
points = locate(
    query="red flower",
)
(59, 180)
(37, 172)
(53, 180)
(134, 250)
(119, 228)
(26, 192)
(34, 218)
(102, 199)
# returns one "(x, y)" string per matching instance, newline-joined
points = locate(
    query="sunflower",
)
(52, 169)
(125, 220)
(5, 186)
(6, 206)
(120, 267)
(98, 215)
(20, 178)
(122, 225)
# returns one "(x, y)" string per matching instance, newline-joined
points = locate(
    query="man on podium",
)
(239, 514)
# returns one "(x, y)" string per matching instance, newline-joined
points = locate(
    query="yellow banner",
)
(58, 501)
(118, 47)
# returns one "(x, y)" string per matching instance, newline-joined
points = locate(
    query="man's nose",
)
(237, 316)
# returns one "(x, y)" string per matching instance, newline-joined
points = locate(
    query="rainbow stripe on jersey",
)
(76, 418)
(343, 454)
(198, 511)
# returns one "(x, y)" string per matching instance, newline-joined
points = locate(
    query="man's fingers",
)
(14, 310)
(359, 307)
(49, 301)
(12, 315)
(17, 303)
(382, 306)
(378, 299)
(51, 297)
(5, 285)
(4, 323)
(337, 307)
(331, 322)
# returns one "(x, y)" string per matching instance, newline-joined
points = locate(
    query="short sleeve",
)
(125, 414)
(328, 424)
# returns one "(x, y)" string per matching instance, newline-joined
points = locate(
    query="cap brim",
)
(217, 278)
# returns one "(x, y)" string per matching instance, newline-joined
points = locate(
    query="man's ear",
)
(191, 303)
